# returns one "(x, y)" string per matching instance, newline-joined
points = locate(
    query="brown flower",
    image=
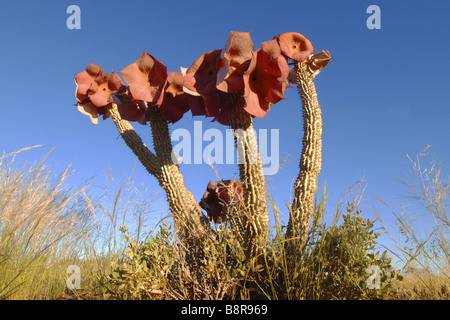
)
(173, 102)
(130, 110)
(219, 196)
(84, 79)
(315, 64)
(264, 82)
(145, 78)
(234, 61)
(295, 46)
(95, 90)
(224, 113)
(201, 78)
(102, 87)
(272, 47)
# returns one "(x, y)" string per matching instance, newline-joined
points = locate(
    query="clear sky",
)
(384, 95)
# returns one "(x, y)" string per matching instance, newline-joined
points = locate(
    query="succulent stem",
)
(133, 141)
(187, 214)
(302, 209)
(253, 224)
(190, 223)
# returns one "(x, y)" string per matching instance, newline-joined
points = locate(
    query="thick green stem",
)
(253, 221)
(302, 209)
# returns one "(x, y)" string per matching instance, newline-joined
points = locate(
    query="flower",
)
(294, 45)
(263, 76)
(89, 109)
(102, 87)
(84, 79)
(173, 101)
(224, 114)
(264, 81)
(230, 192)
(130, 110)
(219, 196)
(234, 61)
(95, 90)
(201, 77)
(96, 85)
(220, 69)
(145, 78)
(272, 47)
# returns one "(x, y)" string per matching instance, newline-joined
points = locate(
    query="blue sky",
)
(383, 96)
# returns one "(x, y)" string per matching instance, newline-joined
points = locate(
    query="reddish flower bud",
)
(219, 196)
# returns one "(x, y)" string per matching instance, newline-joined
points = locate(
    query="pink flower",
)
(234, 61)
(145, 78)
(295, 46)
(263, 76)
(220, 69)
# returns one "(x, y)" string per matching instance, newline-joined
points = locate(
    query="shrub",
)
(342, 262)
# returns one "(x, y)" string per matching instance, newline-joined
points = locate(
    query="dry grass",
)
(422, 248)
(45, 227)
(424, 285)
(41, 228)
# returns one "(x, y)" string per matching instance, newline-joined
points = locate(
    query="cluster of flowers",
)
(261, 76)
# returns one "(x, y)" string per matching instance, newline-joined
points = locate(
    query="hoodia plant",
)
(233, 85)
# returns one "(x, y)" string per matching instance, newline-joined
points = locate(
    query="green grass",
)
(46, 226)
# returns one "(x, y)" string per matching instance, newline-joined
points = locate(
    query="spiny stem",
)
(133, 141)
(302, 208)
(190, 222)
(185, 209)
(254, 220)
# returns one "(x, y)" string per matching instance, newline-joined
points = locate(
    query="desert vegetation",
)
(47, 226)
(221, 245)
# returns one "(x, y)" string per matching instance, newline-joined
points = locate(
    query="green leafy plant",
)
(343, 261)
